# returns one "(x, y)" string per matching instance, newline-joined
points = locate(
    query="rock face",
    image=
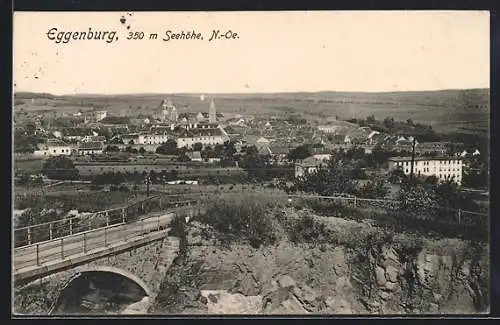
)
(397, 276)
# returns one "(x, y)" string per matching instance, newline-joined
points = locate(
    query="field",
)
(31, 166)
(446, 110)
(91, 170)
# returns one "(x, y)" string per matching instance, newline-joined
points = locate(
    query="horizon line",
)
(248, 93)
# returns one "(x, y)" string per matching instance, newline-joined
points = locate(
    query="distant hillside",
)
(447, 110)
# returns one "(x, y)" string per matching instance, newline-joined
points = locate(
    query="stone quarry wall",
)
(149, 263)
(447, 276)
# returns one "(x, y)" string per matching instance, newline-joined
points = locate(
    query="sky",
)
(275, 52)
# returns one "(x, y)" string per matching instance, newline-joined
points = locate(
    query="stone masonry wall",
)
(149, 263)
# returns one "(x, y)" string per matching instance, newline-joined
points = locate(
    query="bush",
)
(308, 230)
(247, 218)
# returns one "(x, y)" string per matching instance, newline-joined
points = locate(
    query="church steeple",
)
(212, 112)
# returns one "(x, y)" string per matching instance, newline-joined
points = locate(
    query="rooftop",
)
(311, 162)
(425, 158)
(192, 133)
(93, 145)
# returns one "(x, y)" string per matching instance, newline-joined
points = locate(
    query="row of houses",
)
(55, 147)
(208, 134)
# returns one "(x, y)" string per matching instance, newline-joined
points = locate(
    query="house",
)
(262, 142)
(207, 137)
(53, 148)
(93, 138)
(200, 117)
(279, 153)
(329, 128)
(194, 155)
(308, 166)
(264, 151)
(119, 130)
(152, 138)
(371, 136)
(90, 148)
(57, 134)
(132, 138)
(100, 115)
(202, 125)
(77, 134)
(443, 168)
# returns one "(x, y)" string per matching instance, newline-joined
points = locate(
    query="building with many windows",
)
(443, 168)
(90, 148)
(151, 138)
(205, 136)
(52, 148)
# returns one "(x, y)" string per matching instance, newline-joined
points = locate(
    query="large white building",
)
(52, 150)
(205, 136)
(149, 138)
(443, 168)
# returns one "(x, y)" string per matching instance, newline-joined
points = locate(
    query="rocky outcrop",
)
(351, 274)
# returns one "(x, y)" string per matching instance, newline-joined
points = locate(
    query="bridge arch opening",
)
(100, 290)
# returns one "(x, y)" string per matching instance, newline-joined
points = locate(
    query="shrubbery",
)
(246, 217)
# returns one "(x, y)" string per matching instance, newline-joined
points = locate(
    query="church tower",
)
(174, 115)
(164, 111)
(212, 112)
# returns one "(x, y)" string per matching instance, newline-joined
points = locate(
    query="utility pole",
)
(148, 181)
(412, 159)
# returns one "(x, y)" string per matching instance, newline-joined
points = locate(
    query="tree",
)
(229, 149)
(183, 158)
(112, 149)
(417, 201)
(257, 166)
(371, 119)
(30, 129)
(299, 153)
(389, 123)
(168, 148)
(142, 151)
(198, 146)
(61, 168)
(376, 189)
(327, 180)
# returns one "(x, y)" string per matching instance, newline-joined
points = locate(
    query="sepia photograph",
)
(251, 163)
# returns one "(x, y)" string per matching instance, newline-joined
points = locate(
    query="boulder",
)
(390, 286)
(286, 281)
(212, 298)
(246, 286)
(338, 306)
(307, 296)
(385, 295)
(380, 274)
(391, 273)
(389, 254)
(433, 308)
